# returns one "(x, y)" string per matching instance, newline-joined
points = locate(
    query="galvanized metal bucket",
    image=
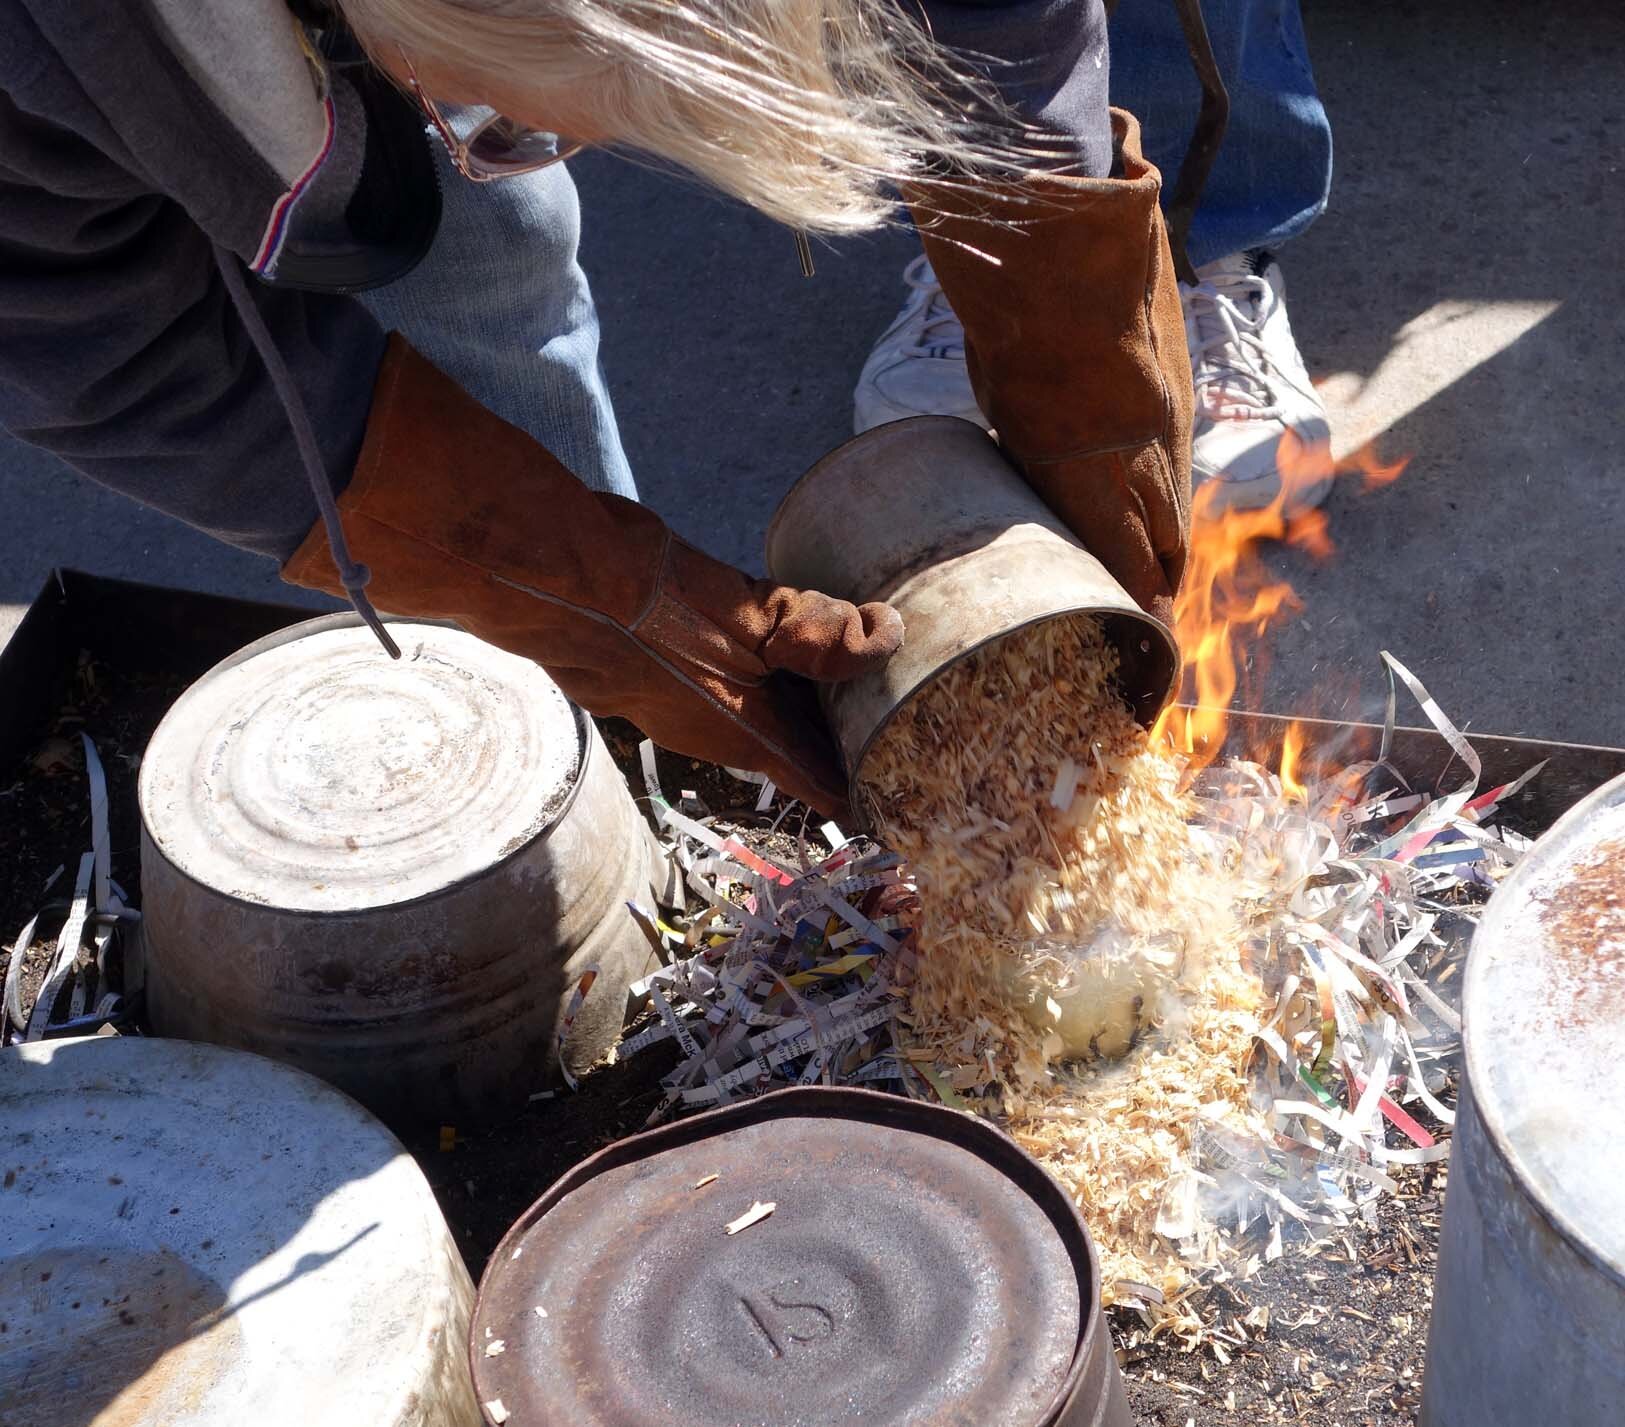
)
(927, 515)
(194, 1236)
(393, 874)
(1529, 1301)
(916, 1267)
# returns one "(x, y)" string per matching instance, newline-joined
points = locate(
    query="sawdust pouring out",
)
(1199, 991)
(1143, 959)
(1065, 918)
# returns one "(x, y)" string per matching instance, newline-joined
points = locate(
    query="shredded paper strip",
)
(75, 998)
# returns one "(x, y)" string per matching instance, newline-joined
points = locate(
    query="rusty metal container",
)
(193, 1237)
(927, 515)
(392, 874)
(917, 1267)
(1529, 1300)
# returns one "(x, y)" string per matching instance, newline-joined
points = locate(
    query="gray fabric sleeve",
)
(119, 350)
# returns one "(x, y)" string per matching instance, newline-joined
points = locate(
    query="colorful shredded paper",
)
(1288, 1078)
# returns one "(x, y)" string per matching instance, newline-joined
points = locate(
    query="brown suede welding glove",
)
(461, 516)
(1076, 346)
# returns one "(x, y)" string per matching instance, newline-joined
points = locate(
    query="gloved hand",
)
(1076, 346)
(462, 516)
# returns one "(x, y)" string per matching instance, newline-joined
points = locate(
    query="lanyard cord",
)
(352, 575)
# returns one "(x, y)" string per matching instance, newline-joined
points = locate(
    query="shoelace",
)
(1230, 367)
(939, 332)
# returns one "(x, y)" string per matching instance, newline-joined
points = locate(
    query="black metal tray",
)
(182, 633)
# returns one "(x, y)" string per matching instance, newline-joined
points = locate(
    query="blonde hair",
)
(809, 110)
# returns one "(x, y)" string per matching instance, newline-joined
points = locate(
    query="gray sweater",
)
(119, 170)
(137, 134)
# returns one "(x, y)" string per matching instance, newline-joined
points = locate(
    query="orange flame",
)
(1229, 600)
(1291, 752)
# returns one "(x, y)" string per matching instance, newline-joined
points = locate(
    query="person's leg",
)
(1270, 181)
(501, 304)
(1273, 172)
(1049, 61)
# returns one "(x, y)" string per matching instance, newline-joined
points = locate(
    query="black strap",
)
(352, 575)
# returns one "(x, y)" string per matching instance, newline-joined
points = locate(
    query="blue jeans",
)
(1048, 58)
(501, 304)
(1274, 169)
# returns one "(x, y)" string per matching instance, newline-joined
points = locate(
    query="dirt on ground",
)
(1330, 1335)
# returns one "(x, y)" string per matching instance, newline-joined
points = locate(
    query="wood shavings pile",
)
(1118, 1135)
(1065, 917)
(1185, 996)
(1052, 851)
(1201, 998)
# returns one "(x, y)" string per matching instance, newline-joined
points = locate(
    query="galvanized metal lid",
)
(1544, 1017)
(319, 775)
(916, 1268)
(195, 1236)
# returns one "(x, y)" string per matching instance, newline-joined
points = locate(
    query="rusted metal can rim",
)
(916, 1267)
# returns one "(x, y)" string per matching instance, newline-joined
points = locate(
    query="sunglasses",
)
(498, 148)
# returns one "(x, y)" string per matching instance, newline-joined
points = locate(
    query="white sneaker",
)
(1251, 390)
(917, 368)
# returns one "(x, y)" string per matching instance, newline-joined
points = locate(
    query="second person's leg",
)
(1269, 182)
(1273, 172)
(1061, 274)
(1049, 60)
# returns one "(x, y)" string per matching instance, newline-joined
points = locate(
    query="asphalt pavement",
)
(1459, 298)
